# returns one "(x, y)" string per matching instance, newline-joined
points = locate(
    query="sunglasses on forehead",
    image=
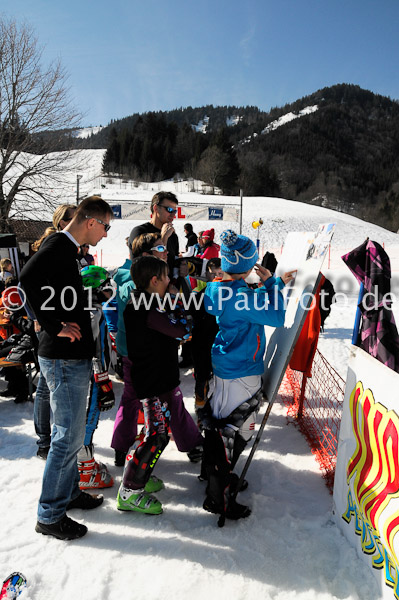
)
(159, 248)
(169, 209)
(106, 226)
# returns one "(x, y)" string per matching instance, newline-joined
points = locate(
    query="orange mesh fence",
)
(317, 412)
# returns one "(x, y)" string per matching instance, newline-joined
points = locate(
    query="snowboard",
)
(12, 586)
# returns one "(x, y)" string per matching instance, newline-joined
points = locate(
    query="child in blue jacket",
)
(237, 359)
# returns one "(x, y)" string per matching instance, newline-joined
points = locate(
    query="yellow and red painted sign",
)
(366, 490)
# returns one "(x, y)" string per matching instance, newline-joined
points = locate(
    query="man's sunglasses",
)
(169, 209)
(159, 248)
(106, 226)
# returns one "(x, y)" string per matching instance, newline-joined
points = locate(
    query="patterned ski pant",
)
(156, 418)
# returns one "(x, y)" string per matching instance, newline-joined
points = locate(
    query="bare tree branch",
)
(34, 102)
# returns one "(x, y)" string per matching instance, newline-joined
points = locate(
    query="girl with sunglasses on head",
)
(149, 244)
(125, 426)
(185, 432)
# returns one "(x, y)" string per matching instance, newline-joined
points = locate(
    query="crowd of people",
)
(138, 324)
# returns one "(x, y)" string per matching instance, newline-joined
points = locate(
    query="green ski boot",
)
(138, 501)
(153, 485)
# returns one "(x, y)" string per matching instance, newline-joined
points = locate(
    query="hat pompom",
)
(229, 237)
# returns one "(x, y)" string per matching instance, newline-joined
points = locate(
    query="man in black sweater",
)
(54, 289)
(163, 212)
(192, 237)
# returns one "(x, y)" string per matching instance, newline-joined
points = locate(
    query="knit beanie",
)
(209, 234)
(238, 252)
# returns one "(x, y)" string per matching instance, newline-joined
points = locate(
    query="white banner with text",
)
(137, 211)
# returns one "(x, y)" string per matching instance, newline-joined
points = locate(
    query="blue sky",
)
(126, 56)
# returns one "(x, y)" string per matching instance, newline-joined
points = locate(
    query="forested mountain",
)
(344, 155)
(338, 147)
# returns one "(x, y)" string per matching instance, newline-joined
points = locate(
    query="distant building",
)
(27, 232)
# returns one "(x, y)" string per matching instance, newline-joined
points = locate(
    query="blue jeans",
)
(41, 410)
(41, 413)
(68, 382)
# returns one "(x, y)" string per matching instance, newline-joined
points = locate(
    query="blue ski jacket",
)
(241, 314)
(125, 286)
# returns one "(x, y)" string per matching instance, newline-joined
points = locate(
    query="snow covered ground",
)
(289, 117)
(86, 132)
(289, 548)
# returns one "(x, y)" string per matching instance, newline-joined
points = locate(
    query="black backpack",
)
(23, 351)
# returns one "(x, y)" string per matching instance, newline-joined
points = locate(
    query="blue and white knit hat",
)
(239, 253)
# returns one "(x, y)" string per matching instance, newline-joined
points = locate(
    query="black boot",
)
(236, 511)
(120, 458)
(64, 529)
(219, 500)
(215, 492)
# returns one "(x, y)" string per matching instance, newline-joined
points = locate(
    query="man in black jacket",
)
(192, 237)
(53, 287)
(163, 212)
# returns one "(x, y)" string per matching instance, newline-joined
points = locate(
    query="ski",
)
(12, 586)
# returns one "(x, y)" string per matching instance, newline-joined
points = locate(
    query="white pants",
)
(230, 393)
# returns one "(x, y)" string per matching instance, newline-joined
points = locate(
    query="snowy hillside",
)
(233, 120)
(202, 125)
(289, 117)
(86, 132)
